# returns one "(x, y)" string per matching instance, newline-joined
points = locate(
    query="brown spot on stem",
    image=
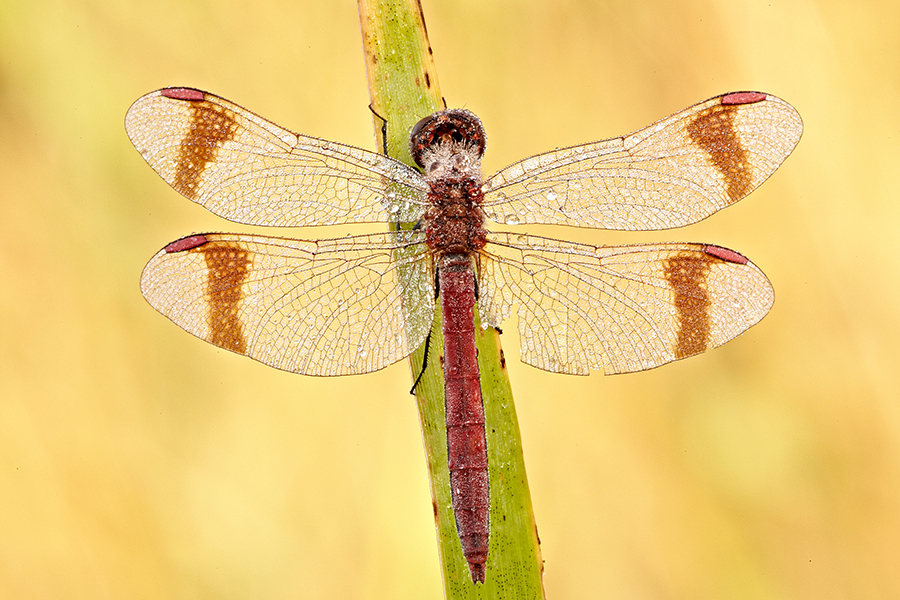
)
(687, 274)
(210, 125)
(713, 130)
(227, 270)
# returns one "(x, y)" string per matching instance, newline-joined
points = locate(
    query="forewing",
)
(618, 308)
(328, 307)
(673, 173)
(248, 170)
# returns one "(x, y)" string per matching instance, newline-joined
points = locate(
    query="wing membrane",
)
(619, 309)
(249, 170)
(328, 307)
(672, 173)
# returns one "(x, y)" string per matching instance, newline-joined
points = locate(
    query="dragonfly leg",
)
(424, 364)
(384, 148)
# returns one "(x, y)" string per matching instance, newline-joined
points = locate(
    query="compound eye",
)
(418, 127)
(421, 137)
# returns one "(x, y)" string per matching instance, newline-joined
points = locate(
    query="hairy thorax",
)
(454, 223)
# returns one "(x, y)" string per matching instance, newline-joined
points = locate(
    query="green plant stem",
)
(403, 88)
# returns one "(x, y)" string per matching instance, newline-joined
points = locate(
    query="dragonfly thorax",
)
(451, 161)
(455, 221)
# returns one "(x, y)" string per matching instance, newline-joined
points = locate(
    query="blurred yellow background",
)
(139, 462)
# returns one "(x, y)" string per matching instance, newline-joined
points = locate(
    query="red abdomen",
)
(466, 443)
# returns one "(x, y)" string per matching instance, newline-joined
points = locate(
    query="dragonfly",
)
(358, 303)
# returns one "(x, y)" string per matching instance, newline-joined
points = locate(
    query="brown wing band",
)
(713, 130)
(210, 126)
(686, 274)
(227, 270)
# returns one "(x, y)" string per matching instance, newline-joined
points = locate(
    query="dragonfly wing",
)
(618, 308)
(328, 307)
(249, 170)
(673, 173)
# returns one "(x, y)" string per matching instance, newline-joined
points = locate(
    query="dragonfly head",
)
(448, 143)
